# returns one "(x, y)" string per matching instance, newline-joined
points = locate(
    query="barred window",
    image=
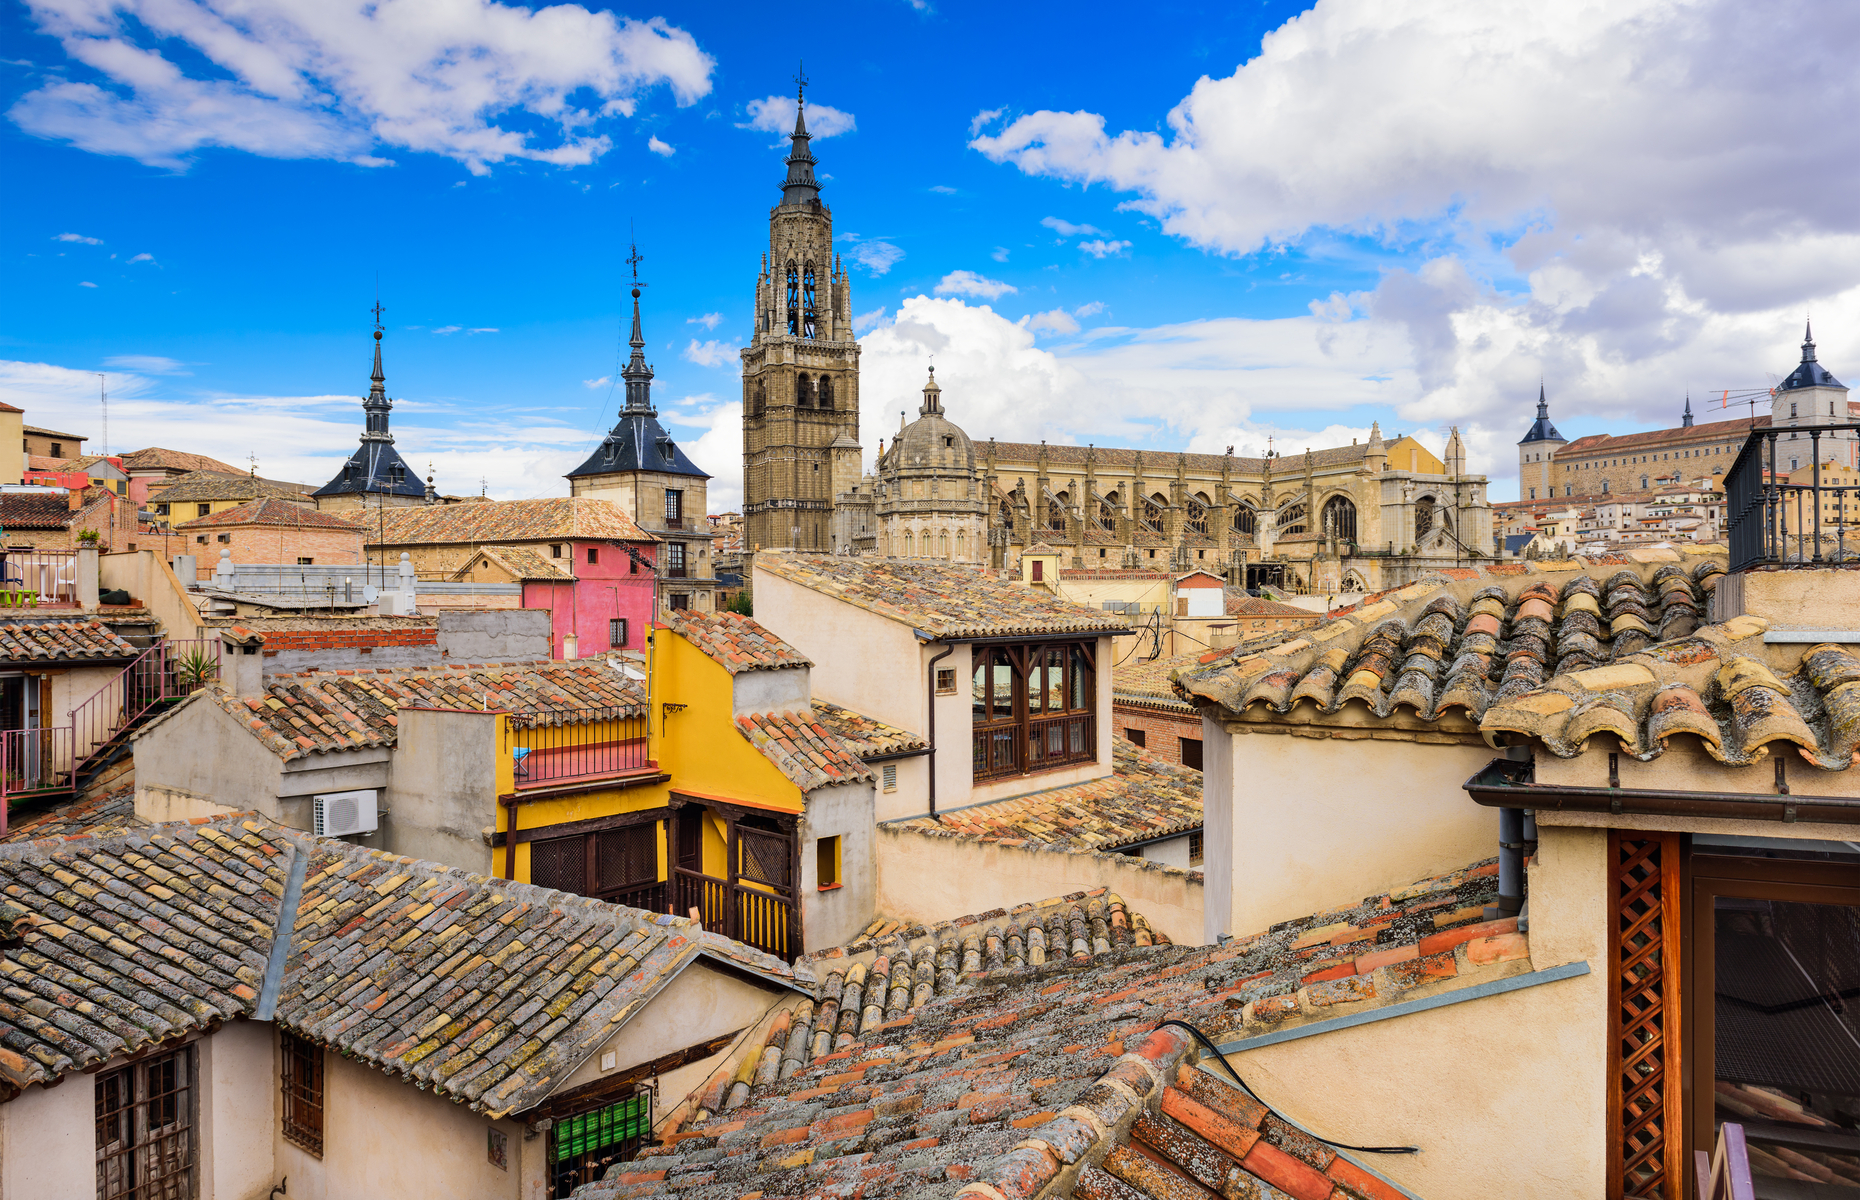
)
(145, 1129)
(302, 1083)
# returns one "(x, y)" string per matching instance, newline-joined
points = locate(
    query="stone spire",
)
(800, 188)
(377, 406)
(1456, 452)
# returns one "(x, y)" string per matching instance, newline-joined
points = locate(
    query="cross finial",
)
(253, 459)
(634, 258)
(800, 83)
(377, 310)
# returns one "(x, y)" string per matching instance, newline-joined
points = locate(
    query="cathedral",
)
(1350, 518)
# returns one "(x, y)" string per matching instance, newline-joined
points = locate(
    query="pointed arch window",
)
(1245, 521)
(962, 546)
(1340, 519)
(1153, 512)
(809, 310)
(762, 398)
(794, 300)
(908, 544)
(1198, 515)
(1107, 513)
(1291, 519)
(1055, 516)
(826, 392)
(803, 391)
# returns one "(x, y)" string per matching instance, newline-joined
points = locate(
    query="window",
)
(1039, 571)
(1134, 736)
(306, 562)
(674, 508)
(675, 560)
(827, 862)
(1033, 707)
(145, 1129)
(616, 633)
(1194, 848)
(679, 601)
(555, 550)
(582, 1147)
(161, 510)
(594, 554)
(946, 681)
(620, 866)
(202, 539)
(889, 777)
(302, 1084)
(1191, 752)
(201, 510)
(120, 485)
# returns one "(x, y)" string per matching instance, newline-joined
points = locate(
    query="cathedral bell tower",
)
(800, 370)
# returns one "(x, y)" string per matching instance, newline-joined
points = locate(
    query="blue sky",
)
(1203, 227)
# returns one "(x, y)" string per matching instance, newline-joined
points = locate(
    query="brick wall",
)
(348, 639)
(269, 544)
(1162, 731)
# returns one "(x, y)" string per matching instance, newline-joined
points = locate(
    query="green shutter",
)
(591, 1132)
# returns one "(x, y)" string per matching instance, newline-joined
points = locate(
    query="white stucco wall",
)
(48, 1141)
(858, 656)
(835, 917)
(1300, 824)
(442, 790)
(238, 1110)
(785, 690)
(702, 1003)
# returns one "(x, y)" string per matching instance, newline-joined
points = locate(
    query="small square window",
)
(827, 862)
(889, 777)
(680, 601)
(946, 681)
(1191, 752)
(555, 550)
(1135, 736)
(594, 555)
(201, 510)
(616, 633)
(202, 539)
(305, 562)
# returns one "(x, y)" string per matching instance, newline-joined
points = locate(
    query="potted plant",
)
(87, 539)
(194, 668)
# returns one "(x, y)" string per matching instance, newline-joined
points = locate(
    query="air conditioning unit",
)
(338, 814)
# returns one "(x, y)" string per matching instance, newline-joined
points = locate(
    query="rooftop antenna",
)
(484, 486)
(103, 399)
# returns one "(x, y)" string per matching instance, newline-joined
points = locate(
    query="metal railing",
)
(33, 760)
(1770, 522)
(33, 577)
(549, 745)
(1723, 1173)
(162, 674)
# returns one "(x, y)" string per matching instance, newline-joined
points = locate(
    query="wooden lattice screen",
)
(1646, 1136)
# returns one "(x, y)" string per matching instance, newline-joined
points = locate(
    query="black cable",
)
(1203, 1039)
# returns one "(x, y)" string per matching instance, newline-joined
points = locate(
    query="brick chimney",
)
(74, 498)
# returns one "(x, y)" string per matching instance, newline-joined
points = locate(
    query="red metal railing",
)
(555, 744)
(33, 760)
(162, 673)
(1724, 1174)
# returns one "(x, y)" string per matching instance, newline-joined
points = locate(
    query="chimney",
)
(242, 662)
(74, 498)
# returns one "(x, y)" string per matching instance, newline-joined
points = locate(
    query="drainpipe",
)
(932, 677)
(1510, 861)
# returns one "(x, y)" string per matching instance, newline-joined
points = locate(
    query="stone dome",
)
(932, 444)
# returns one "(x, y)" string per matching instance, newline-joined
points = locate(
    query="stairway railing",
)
(166, 671)
(1724, 1173)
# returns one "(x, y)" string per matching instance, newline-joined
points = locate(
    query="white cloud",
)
(78, 237)
(718, 450)
(602, 382)
(865, 321)
(711, 353)
(775, 114)
(658, 147)
(445, 329)
(1056, 320)
(1066, 228)
(985, 117)
(943, 189)
(147, 258)
(87, 283)
(1000, 254)
(492, 329)
(1099, 248)
(1577, 190)
(968, 283)
(708, 320)
(147, 364)
(1089, 310)
(876, 257)
(344, 78)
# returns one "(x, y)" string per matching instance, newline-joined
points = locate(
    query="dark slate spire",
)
(637, 374)
(1810, 373)
(800, 188)
(377, 406)
(1541, 430)
(1685, 422)
(375, 468)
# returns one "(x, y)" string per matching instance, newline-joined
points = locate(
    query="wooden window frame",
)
(1022, 742)
(649, 894)
(301, 1080)
(124, 1107)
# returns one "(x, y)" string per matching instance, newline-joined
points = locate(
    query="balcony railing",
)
(1041, 743)
(1773, 523)
(554, 745)
(34, 760)
(32, 578)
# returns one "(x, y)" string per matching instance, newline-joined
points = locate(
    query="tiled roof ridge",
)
(273, 510)
(53, 640)
(517, 560)
(1423, 648)
(735, 642)
(1125, 861)
(803, 748)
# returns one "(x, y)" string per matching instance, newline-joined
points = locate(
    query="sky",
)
(1179, 227)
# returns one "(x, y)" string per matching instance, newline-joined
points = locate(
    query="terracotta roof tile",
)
(313, 712)
(864, 736)
(270, 510)
(213, 485)
(1149, 681)
(500, 521)
(803, 748)
(735, 642)
(983, 1056)
(1143, 799)
(51, 641)
(1427, 649)
(34, 510)
(524, 563)
(155, 457)
(114, 812)
(943, 600)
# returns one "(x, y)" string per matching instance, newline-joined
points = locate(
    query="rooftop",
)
(125, 941)
(735, 642)
(1254, 606)
(272, 511)
(157, 458)
(62, 641)
(113, 812)
(992, 1054)
(1158, 464)
(942, 600)
(1143, 799)
(864, 736)
(1452, 644)
(1149, 681)
(313, 712)
(214, 485)
(803, 748)
(524, 564)
(35, 510)
(40, 431)
(494, 521)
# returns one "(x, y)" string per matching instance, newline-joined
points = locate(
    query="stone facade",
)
(800, 376)
(927, 492)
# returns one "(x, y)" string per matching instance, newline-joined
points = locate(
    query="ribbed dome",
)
(932, 440)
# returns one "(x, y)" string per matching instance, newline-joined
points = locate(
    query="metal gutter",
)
(1507, 783)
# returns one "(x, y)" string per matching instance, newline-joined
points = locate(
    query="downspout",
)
(510, 839)
(932, 678)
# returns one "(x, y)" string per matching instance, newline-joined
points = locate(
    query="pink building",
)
(595, 590)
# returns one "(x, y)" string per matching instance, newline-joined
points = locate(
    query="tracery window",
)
(1198, 514)
(1153, 511)
(1423, 517)
(1244, 520)
(808, 310)
(794, 300)
(1055, 517)
(1034, 707)
(1291, 519)
(1340, 518)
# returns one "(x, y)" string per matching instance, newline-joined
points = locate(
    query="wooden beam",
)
(588, 1094)
(644, 816)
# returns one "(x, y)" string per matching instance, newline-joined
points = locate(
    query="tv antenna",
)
(103, 399)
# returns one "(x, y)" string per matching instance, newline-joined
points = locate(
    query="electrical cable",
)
(1203, 1039)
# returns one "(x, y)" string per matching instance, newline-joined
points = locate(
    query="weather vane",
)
(800, 83)
(635, 257)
